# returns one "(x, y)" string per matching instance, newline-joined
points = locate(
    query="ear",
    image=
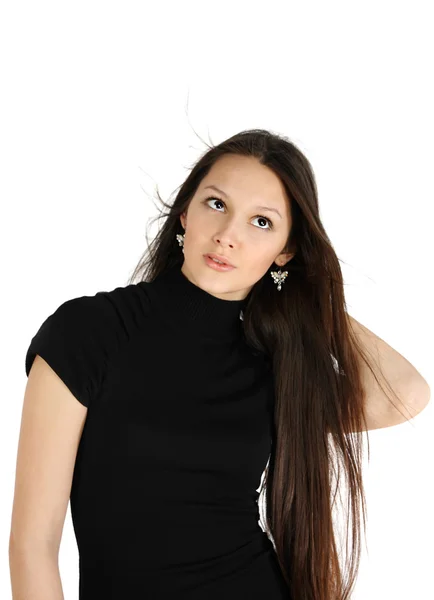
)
(183, 220)
(283, 258)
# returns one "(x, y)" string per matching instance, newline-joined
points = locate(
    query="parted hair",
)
(319, 414)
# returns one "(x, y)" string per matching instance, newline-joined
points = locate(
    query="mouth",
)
(216, 264)
(219, 259)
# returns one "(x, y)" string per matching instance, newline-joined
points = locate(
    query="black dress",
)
(177, 435)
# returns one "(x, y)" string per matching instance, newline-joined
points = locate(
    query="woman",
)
(180, 389)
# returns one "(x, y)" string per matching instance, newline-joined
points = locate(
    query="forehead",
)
(245, 180)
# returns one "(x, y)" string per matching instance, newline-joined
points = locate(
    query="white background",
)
(99, 104)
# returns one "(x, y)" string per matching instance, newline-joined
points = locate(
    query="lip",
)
(216, 266)
(222, 258)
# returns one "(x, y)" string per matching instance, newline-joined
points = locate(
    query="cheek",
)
(257, 264)
(194, 229)
(199, 226)
(264, 257)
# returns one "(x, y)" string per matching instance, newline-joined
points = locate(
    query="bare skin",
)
(228, 222)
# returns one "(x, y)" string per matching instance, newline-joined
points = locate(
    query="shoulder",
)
(84, 334)
(119, 308)
(107, 314)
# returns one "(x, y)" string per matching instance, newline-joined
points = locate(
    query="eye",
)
(270, 223)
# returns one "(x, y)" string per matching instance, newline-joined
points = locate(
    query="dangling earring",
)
(279, 278)
(180, 237)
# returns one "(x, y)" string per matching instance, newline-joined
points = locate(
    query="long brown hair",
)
(319, 410)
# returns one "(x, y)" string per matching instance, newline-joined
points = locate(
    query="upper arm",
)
(394, 370)
(66, 364)
(51, 425)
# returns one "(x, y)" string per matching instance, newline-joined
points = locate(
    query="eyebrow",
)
(269, 208)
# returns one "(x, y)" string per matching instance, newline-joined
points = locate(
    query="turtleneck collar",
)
(190, 308)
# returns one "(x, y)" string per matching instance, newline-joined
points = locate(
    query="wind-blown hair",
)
(319, 411)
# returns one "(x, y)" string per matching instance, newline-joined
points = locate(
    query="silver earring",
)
(279, 278)
(180, 237)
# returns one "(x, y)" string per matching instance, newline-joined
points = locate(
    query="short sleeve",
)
(78, 340)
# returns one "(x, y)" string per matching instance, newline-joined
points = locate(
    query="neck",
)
(192, 309)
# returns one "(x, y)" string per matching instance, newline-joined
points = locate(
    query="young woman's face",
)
(233, 226)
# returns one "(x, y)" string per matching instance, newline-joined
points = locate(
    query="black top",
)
(176, 438)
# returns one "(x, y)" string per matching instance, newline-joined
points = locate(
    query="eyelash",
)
(270, 223)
